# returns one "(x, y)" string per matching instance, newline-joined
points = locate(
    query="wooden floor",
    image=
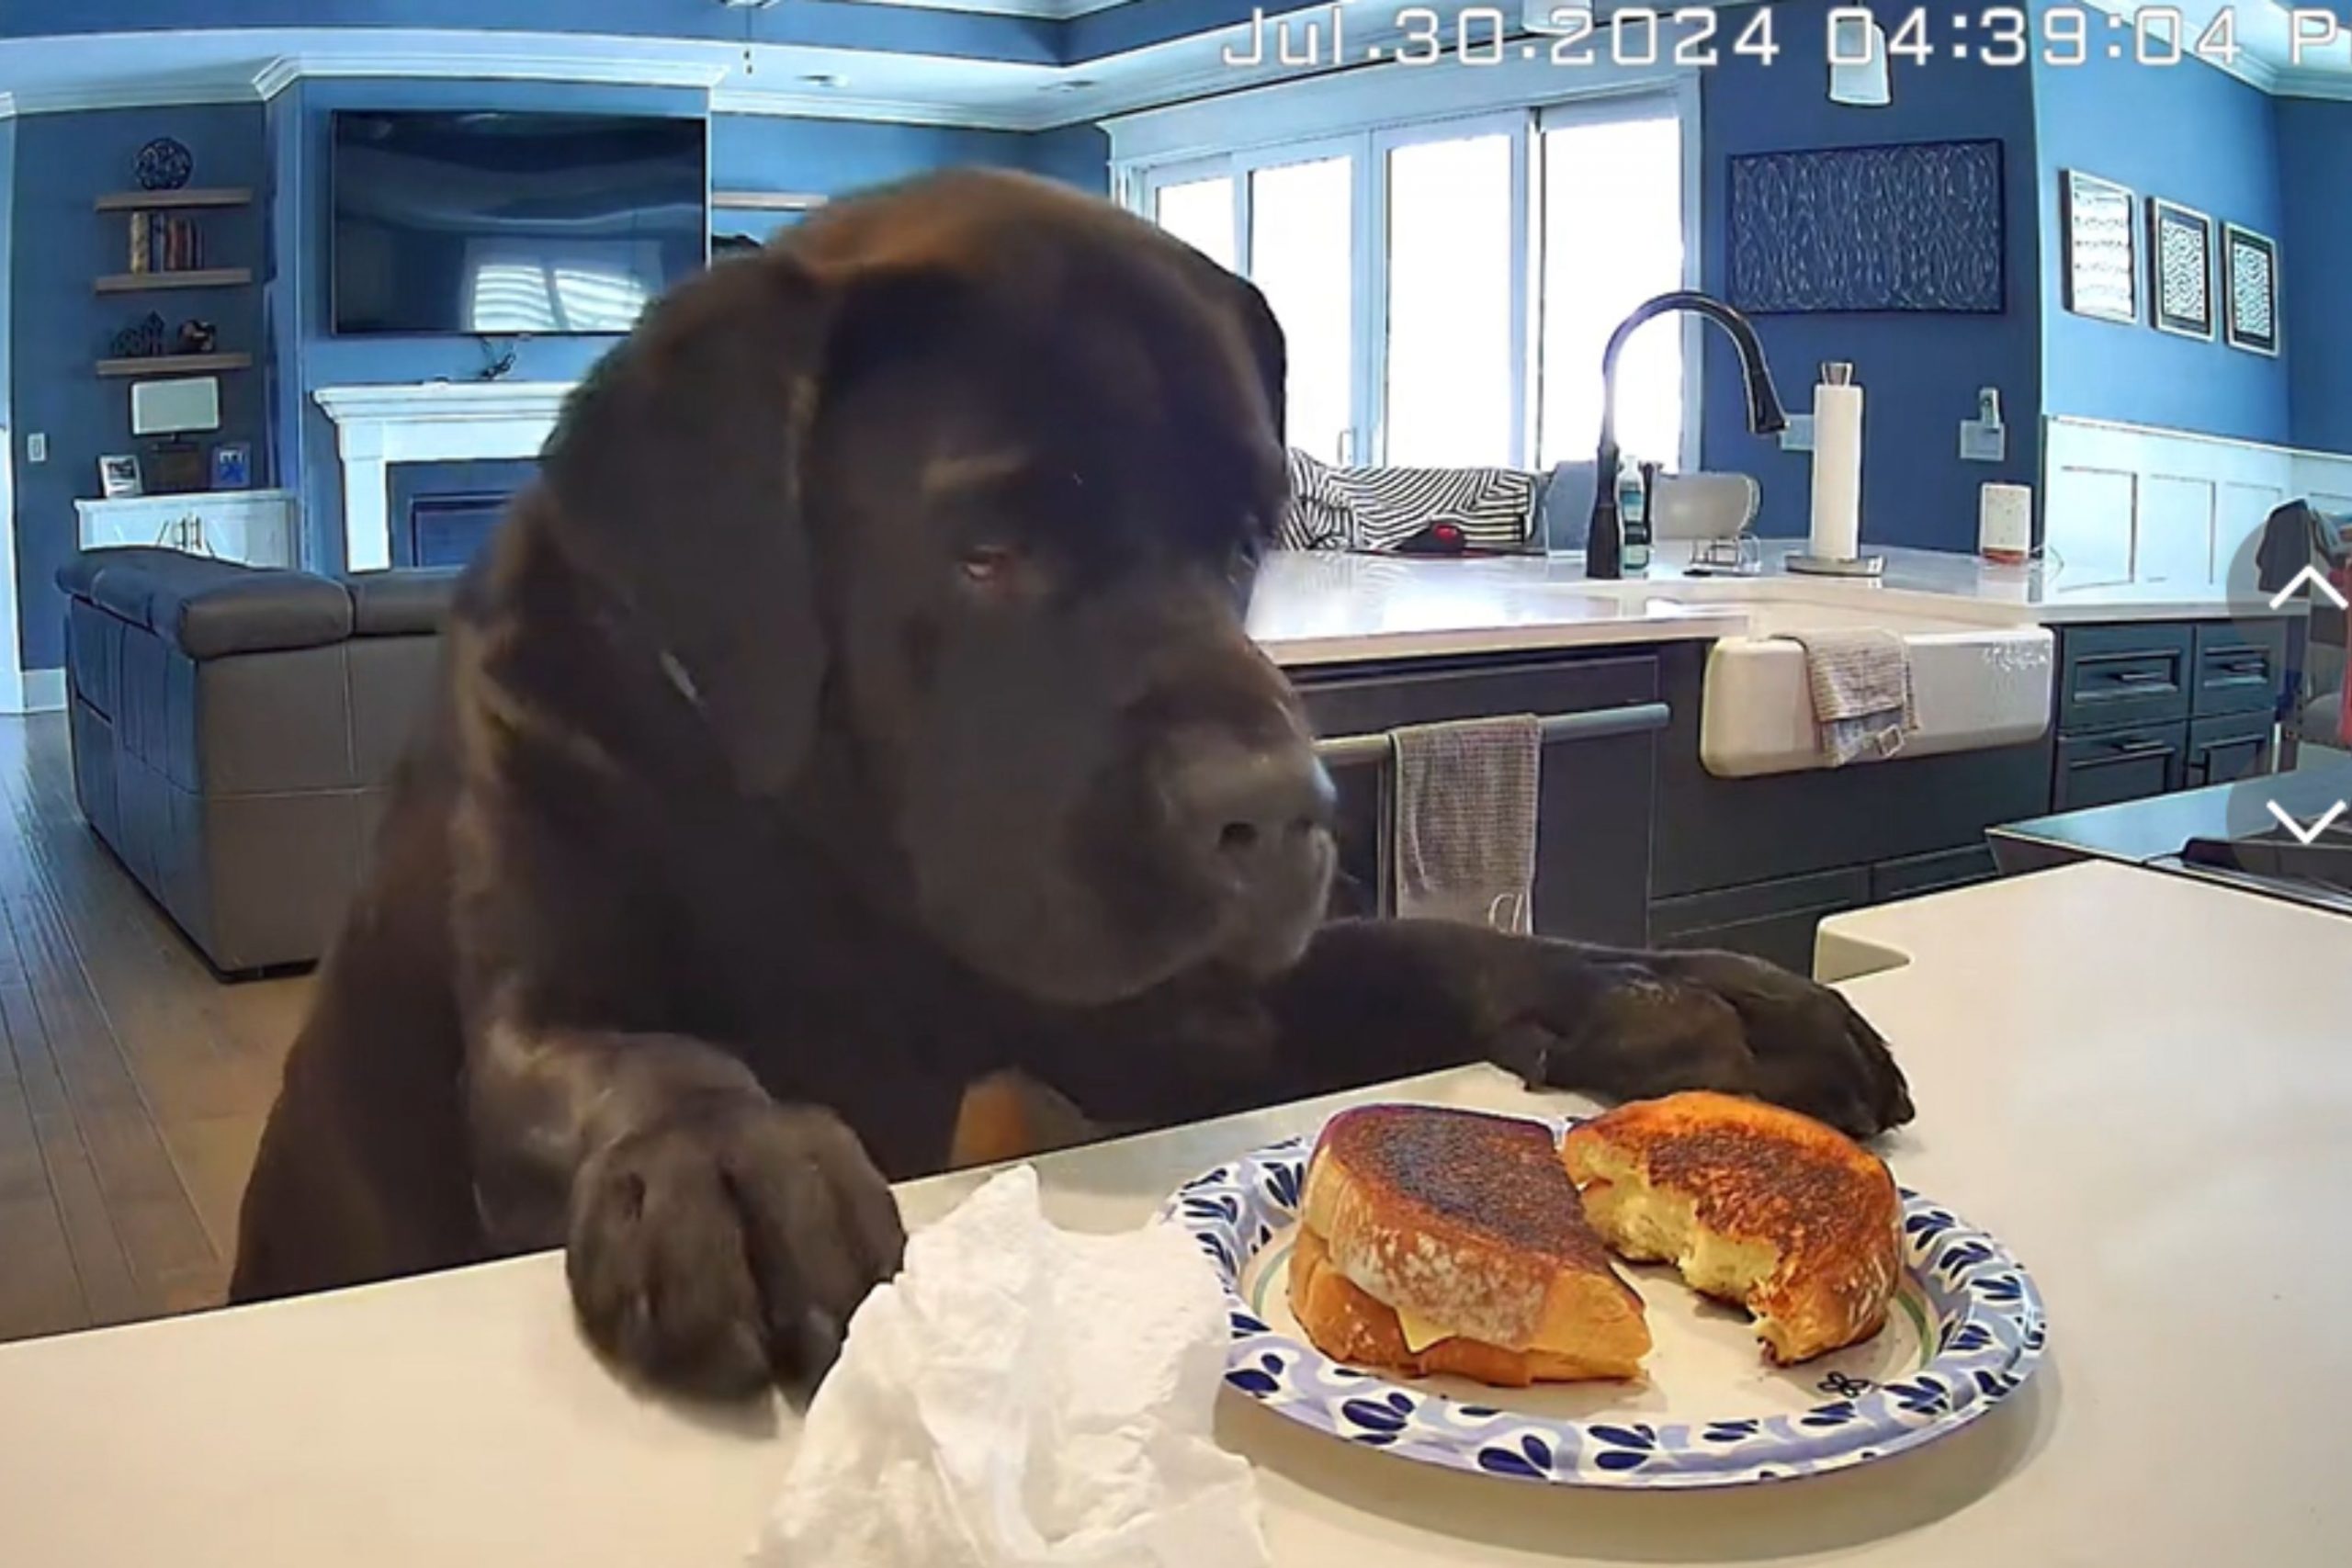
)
(132, 1083)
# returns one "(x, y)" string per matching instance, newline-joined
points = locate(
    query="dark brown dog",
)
(860, 706)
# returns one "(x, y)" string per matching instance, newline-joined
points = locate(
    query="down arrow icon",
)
(2306, 835)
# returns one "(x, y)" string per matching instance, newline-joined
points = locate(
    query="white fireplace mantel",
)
(427, 421)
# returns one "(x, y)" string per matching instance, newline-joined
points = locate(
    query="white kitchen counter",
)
(2140, 1083)
(1314, 608)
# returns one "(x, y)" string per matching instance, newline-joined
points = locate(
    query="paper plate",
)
(1965, 1333)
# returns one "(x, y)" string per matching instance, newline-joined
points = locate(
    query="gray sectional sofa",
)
(234, 731)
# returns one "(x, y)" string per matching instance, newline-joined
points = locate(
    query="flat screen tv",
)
(509, 224)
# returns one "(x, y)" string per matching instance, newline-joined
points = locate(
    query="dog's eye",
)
(990, 563)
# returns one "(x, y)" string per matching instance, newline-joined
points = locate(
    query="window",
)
(1446, 286)
(1302, 240)
(1612, 238)
(595, 290)
(1200, 213)
(1447, 395)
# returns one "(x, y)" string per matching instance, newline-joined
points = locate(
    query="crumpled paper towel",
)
(1023, 1396)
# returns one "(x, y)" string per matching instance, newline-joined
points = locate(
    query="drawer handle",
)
(2140, 677)
(2255, 666)
(2137, 747)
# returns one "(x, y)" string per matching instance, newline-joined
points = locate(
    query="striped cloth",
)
(1377, 509)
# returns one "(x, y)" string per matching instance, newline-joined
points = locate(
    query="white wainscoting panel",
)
(2130, 503)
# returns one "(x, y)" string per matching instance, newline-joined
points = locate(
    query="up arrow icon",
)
(2305, 835)
(2319, 584)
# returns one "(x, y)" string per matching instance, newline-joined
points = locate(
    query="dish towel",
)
(1862, 701)
(1464, 830)
(1023, 1396)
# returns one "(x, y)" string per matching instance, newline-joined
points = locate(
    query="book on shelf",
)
(163, 243)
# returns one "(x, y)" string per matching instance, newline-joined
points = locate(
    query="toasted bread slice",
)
(1756, 1205)
(1440, 1240)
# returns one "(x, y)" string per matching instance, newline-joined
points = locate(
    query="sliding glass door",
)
(1301, 228)
(1450, 337)
(1445, 288)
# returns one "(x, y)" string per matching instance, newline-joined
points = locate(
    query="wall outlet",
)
(1983, 443)
(1798, 436)
(36, 447)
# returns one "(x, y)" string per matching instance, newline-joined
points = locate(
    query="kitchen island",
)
(2138, 1082)
(1649, 837)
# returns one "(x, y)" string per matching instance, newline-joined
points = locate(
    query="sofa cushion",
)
(403, 602)
(75, 576)
(257, 612)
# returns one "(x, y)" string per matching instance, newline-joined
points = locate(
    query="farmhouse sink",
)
(1976, 685)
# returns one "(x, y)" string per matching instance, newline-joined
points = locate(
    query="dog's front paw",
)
(722, 1251)
(1645, 1024)
(1807, 1048)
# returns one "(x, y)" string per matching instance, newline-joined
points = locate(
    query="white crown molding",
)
(802, 104)
(428, 65)
(2335, 87)
(1028, 10)
(132, 95)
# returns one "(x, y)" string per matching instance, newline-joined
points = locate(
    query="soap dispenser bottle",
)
(1633, 515)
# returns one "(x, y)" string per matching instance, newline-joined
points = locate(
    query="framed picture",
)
(232, 466)
(2250, 283)
(2180, 269)
(119, 477)
(2102, 275)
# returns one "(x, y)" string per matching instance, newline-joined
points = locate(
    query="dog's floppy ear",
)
(676, 471)
(1268, 349)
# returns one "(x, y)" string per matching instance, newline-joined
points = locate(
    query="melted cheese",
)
(1419, 1332)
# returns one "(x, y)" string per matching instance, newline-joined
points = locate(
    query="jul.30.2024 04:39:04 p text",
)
(1702, 38)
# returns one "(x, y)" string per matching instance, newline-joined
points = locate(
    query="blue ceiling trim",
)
(826, 24)
(1140, 24)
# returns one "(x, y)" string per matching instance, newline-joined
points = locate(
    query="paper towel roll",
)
(2005, 523)
(1836, 472)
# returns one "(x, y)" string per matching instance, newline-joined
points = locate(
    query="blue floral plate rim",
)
(1990, 1333)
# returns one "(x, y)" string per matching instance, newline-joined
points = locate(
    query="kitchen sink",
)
(1976, 685)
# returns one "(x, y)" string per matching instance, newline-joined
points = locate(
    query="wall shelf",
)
(766, 200)
(209, 278)
(155, 200)
(176, 364)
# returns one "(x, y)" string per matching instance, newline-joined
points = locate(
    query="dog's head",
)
(947, 511)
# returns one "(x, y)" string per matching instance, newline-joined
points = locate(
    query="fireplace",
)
(381, 429)
(441, 512)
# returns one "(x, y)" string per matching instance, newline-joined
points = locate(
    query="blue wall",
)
(1078, 154)
(64, 162)
(1919, 372)
(2192, 134)
(836, 157)
(2314, 260)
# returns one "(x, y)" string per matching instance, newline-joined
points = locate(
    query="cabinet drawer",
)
(2229, 748)
(2127, 764)
(1915, 875)
(1771, 920)
(2240, 667)
(2118, 676)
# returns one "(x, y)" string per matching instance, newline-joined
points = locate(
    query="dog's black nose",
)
(1256, 812)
